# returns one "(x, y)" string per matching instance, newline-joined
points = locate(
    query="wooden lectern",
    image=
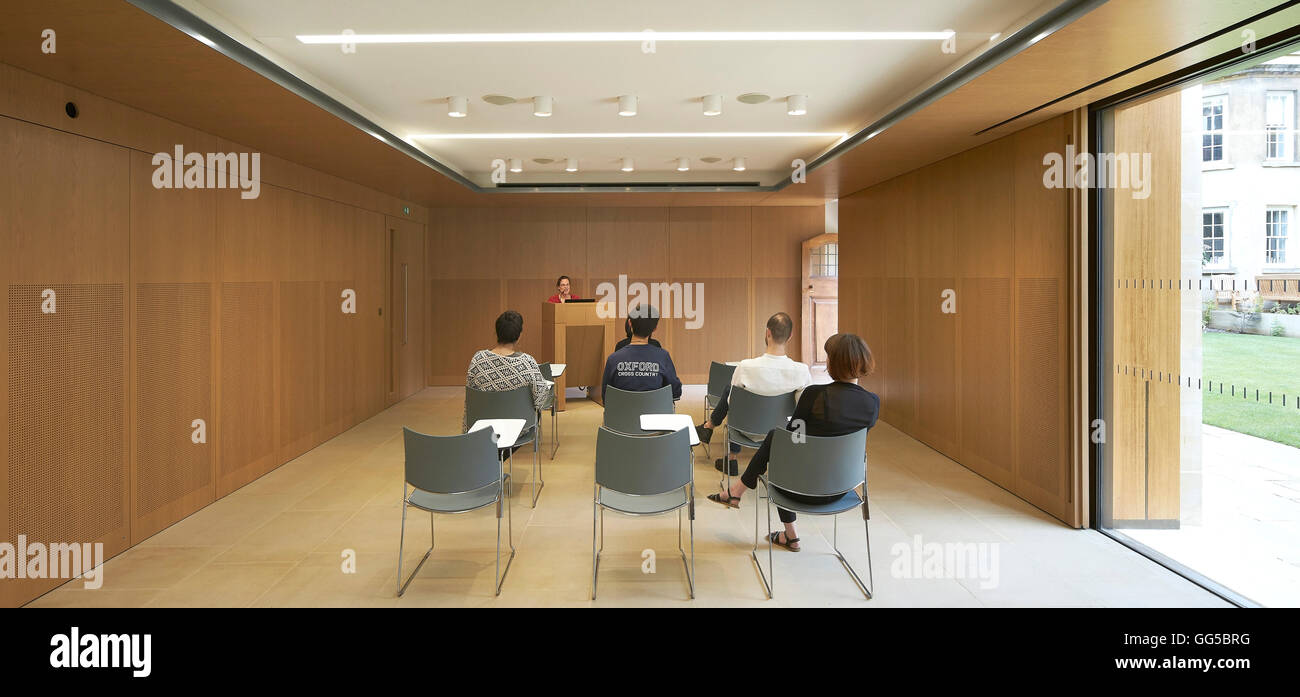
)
(582, 341)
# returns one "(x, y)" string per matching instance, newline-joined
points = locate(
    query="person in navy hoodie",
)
(641, 366)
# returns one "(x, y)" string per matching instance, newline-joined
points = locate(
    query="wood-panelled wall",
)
(483, 261)
(173, 305)
(987, 385)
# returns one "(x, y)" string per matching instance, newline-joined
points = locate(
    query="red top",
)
(556, 298)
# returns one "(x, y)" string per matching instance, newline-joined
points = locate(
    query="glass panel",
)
(824, 261)
(1198, 455)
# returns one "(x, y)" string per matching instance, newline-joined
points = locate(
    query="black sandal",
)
(775, 538)
(729, 502)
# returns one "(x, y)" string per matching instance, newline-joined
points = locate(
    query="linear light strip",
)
(621, 36)
(584, 136)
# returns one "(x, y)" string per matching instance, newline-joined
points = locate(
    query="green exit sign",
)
(406, 210)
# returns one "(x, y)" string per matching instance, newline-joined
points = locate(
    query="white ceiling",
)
(404, 87)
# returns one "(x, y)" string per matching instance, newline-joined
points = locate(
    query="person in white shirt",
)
(772, 373)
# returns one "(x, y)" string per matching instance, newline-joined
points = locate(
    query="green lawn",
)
(1256, 362)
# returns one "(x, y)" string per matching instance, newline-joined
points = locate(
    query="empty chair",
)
(828, 467)
(550, 404)
(639, 476)
(453, 474)
(719, 380)
(510, 404)
(751, 417)
(623, 409)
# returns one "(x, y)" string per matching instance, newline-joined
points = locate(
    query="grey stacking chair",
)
(550, 404)
(719, 380)
(454, 474)
(639, 476)
(749, 418)
(817, 466)
(623, 409)
(510, 404)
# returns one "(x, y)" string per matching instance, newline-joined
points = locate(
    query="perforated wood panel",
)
(936, 375)
(67, 414)
(173, 387)
(1040, 440)
(986, 376)
(247, 383)
(300, 366)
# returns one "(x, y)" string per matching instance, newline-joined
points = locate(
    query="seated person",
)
(627, 327)
(835, 409)
(502, 368)
(562, 294)
(640, 367)
(770, 374)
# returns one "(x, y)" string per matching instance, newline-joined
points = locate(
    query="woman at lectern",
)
(562, 291)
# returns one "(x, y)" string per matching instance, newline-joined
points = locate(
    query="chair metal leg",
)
(555, 433)
(769, 578)
(595, 553)
(690, 567)
(501, 575)
(835, 538)
(401, 587)
(537, 468)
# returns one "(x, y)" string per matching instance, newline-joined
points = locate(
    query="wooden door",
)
(821, 285)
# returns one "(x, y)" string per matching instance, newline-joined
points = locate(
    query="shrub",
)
(1277, 329)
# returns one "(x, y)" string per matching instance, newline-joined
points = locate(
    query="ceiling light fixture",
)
(589, 136)
(571, 164)
(516, 165)
(796, 104)
(738, 165)
(457, 107)
(712, 105)
(625, 36)
(627, 164)
(542, 106)
(683, 164)
(627, 105)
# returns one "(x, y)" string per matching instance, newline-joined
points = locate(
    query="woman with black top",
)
(833, 409)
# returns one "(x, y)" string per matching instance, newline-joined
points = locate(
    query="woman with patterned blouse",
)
(502, 369)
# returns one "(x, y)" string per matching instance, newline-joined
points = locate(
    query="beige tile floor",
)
(280, 540)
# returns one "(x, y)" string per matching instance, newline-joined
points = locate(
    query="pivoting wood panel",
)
(899, 352)
(540, 243)
(1041, 463)
(631, 241)
(777, 233)
(66, 473)
(339, 349)
(985, 366)
(705, 242)
(172, 474)
(248, 384)
(936, 375)
(300, 367)
(368, 268)
(462, 321)
(773, 295)
(722, 323)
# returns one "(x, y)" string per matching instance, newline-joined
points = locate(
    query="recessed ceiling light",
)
(498, 99)
(995, 36)
(457, 107)
(796, 104)
(752, 98)
(683, 164)
(738, 164)
(627, 164)
(627, 36)
(589, 136)
(543, 160)
(571, 164)
(711, 160)
(712, 104)
(516, 165)
(627, 105)
(542, 106)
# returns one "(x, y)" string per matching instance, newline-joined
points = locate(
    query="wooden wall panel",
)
(300, 367)
(632, 241)
(773, 295)
(339, 349)
(707, 242)
(722, 335)
(987, 385)
(409, 249)
(459, 328)
(248, 384)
